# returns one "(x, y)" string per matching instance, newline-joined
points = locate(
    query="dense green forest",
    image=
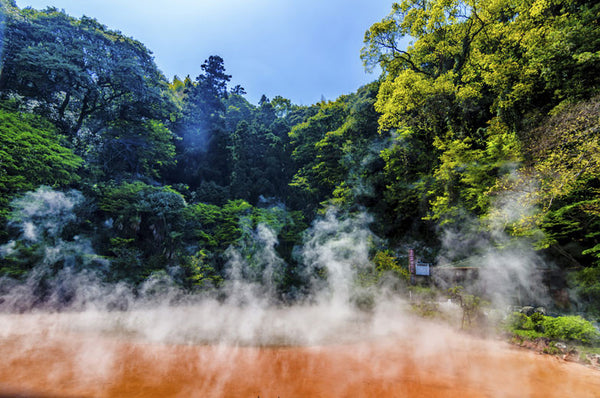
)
(487, 123)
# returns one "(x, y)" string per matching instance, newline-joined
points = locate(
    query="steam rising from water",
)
(509, 270)
(246, 310)
(334, 253)
(90, 333)
(340, 248)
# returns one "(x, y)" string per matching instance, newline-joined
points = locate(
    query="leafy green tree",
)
(81, 73)
(200, 274)
(42, 223)
(202, 151)
(503, 56)
(567, 150)
(386, 262)
(216, 228)
(561, 158)
(464, 179)
(211, 230)
(32, 153)
(303, 140)
(178, 86)
(144, 225)
(258, 163)
(425, 101)
(214, 78)
(266, 112)
(238, 109)
(348, 157)
(282, 106)
(136, 149)
(477, 75)
(238, 90)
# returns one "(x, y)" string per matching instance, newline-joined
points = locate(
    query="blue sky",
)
(300, 49)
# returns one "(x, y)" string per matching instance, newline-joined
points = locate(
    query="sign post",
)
(411, 265)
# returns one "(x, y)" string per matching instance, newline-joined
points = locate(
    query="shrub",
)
(571, 328)
(519, 321)
(537, 320)
(385, 261)
(527, 334)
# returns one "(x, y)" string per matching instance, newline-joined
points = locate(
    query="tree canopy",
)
(32, 154)
(485, 117)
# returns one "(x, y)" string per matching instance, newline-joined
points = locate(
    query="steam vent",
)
(300, 199)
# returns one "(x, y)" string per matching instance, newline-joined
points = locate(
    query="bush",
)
(527, 334)
(566, 328)
(519, 321)
(571, 328)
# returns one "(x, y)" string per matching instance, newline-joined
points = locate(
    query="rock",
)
(527, 310)
(561, 346)
(540, 310)
(572, 355)
(594, 359)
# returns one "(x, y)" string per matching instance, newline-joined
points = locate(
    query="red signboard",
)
(411, 261)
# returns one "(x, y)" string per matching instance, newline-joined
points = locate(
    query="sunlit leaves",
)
(31, 154)
(404, 100)
(334, 149)
(568, 149)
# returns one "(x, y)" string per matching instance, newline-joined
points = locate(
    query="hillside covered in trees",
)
(486, 125)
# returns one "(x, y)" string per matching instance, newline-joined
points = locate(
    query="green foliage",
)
(385, 262)
(80, 73)
(424, 301)
(588, 287)
(466, 103)
(258, 162)
(520, 321)
(571, 328)
(42, 223)
(444, 31)
(565, 328)
(32, 154)
(563, 153)
(20, 258)
(529, 335)
(336, 152)
(568, 148)
(466, 175)
(145, 226)
(479, 100)
(229, 148)
(131, 149)
(304, 138)
(216, 228)
(201, 274)
(202, 128)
